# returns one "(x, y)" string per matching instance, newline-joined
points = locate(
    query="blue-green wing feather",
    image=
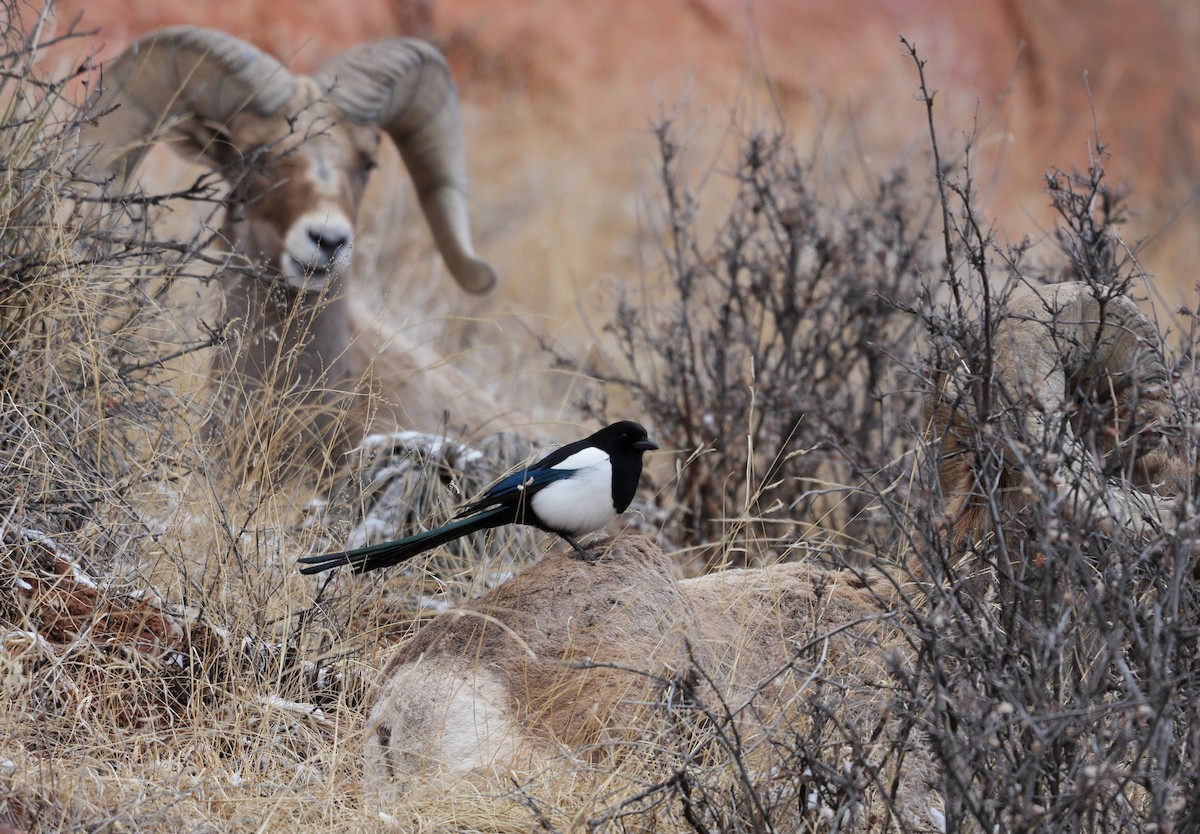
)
(515, 489)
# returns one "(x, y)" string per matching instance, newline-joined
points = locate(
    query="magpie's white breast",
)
(583, 502)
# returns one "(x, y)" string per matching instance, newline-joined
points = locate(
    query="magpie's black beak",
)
(645, 445)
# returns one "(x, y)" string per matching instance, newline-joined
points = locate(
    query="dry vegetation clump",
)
(161, 665)
(1054, 668)
(764, 351)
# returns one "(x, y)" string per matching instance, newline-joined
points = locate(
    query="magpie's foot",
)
(584, 553)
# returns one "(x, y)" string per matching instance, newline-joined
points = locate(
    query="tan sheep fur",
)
(572, 668)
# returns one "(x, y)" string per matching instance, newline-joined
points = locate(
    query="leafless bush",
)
(92, 420)
(1054, 670)
(768, 345)
(82, 380)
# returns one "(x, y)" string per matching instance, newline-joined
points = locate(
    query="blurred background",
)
(560, 96)
(560, 100)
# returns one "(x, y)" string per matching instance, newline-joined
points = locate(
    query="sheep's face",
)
(297, 184)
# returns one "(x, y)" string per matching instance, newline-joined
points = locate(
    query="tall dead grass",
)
(162, 665)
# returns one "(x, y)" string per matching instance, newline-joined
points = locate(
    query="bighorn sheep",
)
(1054, 345)
(610, 671)
(296, 151)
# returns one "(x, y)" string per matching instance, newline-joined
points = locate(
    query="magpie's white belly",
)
(583, 502)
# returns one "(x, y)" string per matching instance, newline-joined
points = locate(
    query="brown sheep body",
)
(571, 669)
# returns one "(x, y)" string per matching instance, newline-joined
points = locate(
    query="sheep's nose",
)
(328, 241)
(320, 241)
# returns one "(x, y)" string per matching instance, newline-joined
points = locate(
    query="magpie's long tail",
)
(385, 555)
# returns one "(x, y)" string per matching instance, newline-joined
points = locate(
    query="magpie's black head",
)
(625, 436)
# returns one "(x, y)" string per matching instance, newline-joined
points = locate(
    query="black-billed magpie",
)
(573, 490)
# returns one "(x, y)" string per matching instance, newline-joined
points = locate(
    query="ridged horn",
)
(404, 86)
(1052, 340)
(1055, 335)
(166, 84)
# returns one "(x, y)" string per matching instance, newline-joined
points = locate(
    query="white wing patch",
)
(583, 502)
(583, 459)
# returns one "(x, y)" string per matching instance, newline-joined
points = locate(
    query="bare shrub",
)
(83, 363)
(764, 347)
(1054, 668)
(1048, 664)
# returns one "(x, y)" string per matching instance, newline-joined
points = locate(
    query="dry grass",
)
(164, 667)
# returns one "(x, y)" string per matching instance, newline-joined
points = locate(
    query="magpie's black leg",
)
(587, 557)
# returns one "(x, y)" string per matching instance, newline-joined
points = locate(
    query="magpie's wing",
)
(515, 489)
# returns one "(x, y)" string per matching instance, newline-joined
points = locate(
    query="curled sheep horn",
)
(167, 84)
(404, 86)
(1052, 342)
